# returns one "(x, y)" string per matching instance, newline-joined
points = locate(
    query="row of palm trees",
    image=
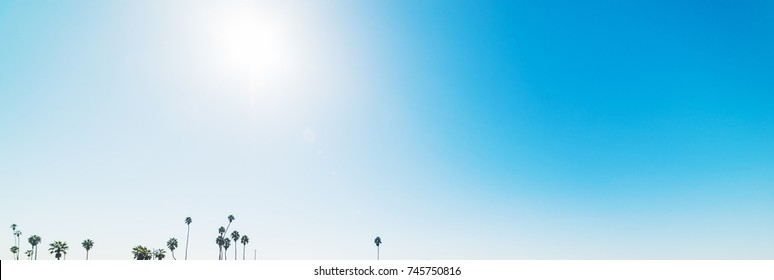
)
(141, 252)
(224, 242)
(59, 248)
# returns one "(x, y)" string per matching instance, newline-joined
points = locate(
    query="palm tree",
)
(58, 248)
(225, 248)
(220, 241)
(235, 236)
(87, 244)
(15, 251)
(17, 241)
(159, 254)
(245, 240)
(172, 245)
(13, 232)
(221, 233)
(29, 254)
(141, 253)
(34, 241)
(188, 223)
(378, 242)
(230, 219)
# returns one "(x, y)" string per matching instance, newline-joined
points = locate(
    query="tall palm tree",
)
(15, 251)
(87, 244)
(17, 241)
(34, 241)
(225, 247)
(220, 241)
(378, 242)
(172, 245)
(245, 240)
(58, 248)
(188, 223)
(230, 219)
(141, 253)
(13, 232)
(235, 236)
(159, 254)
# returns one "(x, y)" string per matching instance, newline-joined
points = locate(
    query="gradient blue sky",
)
(453, 129)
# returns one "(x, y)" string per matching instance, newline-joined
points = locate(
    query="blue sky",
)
(452, 129)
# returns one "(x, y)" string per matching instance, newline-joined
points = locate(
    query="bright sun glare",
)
(261, 45)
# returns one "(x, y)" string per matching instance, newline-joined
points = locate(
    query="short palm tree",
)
(188, 223)
(172, 245)
(245, 240)
(34, 241)
(220, 241)
(141, 253)
(58, 248)
(159, 254)
(235, 236)
(378, 242)
(221, 234)
(15, 251)
(87, 244)
(225, 247)
(29, 254)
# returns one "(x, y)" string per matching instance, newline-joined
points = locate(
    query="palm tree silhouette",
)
(230, 219)
(222, 233)
(15, 251)
(29, 254)
(15, 241)
(58, 248)
(34, 241)
(245, 240)
(87, 244)
(220, 241)
(187, 222)
(378, 242)
(172, 245)
(225, 248)
(235, 236)
(141, 253)
(159, 254)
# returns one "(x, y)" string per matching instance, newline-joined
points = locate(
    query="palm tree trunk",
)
(244, 247)
(235, 250)
(377, 253)
(36, 252)
(87, 255)
(186, 241)
(173, 254)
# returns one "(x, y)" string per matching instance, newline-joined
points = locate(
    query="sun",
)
(261, 50)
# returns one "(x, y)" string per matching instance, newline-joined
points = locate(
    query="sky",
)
(451, 129)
